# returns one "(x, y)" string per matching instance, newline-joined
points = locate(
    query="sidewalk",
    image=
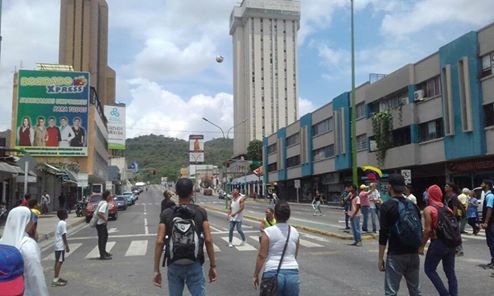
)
(47, 224)
(327, 225)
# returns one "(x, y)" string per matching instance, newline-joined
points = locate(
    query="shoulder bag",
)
(94, 219)
(269, 286)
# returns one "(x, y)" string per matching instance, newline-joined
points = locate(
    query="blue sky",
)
(164, 51)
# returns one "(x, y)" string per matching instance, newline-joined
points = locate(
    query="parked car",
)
(121, 201)
(131, 195)
(129, 200)
(136, 193)
(93, 203)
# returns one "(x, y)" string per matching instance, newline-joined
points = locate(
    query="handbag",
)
(94, 219)
(269, 286)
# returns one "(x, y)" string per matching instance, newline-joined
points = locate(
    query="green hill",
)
(167, 155)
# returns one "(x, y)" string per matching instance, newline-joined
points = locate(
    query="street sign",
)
(407, 174)
(297, 184)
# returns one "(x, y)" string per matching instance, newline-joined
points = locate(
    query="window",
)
(272, 167)
(362, 142)
(323, 153)
(323, 127)
(293, 140)
(487, 64)
(401, 136)
(272, 149)
(431, 87)
(431, 130)
(293, 161)
(360, 110)
(388, 102)
(489, 114)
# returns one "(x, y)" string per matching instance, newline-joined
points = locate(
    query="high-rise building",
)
(84, 43)
(264, 36)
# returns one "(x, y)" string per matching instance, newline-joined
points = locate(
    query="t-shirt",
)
(412, 198)
(364, 199)
(102, 208)
(355, 201)
(59, 232)
(200, 215)
(277, 238)
(472, 210)
(489, 203)
(166, 203)
(373, 196)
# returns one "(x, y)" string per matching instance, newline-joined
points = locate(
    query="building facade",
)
(442, 115)
(264, 34)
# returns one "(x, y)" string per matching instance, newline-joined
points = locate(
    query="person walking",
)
(463, 200)
(451, 200)
(374, 202)
(364, 206)
(45, 201)
(488, 219)
(184, 261)
(235, 214)
(167, 201)
(345, 201)
(278, 255)
(439, 249)
(409, 195)
(354, 215)
(316, 204)
(473, 213)
(269, 220)
(17, 231)
(402, 259)
(101, 225)
(61, 247)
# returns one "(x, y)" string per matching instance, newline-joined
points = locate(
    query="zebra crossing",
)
(144, 246)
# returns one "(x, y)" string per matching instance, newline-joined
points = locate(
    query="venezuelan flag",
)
(371, 172)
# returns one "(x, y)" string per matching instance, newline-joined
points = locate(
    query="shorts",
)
(59, 256)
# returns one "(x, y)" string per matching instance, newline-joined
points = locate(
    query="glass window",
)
(293, 161)
(431, 87)
(360, 110)
(272, 149)
(401, 136)
(272, 167)
(323, 127)
(487, 64)
(293, 140)
(431, 130)
(323, 153)
(362, 142)
(489, 114)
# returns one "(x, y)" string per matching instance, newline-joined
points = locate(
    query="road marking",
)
(215, 247)
(144, 209)
(471, 260)
(226, 232)
(112, 230)
(309, 244)
(146, 228)
(137, 248)
(313, 222)
(214, 228)
(236, 243)
(324, 253)
(73, 247)
(113, 236)
(95, 252)
(315, 237)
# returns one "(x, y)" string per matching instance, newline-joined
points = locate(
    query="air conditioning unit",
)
(418, 95)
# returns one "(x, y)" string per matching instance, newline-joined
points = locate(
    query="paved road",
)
(328, 266)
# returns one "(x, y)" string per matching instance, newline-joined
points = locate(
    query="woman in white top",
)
(272, 244)
(16, 233)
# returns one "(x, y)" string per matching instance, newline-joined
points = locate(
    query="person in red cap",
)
(11, 271)
(439, 249)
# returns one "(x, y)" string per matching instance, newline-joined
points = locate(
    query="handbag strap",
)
(284, 249)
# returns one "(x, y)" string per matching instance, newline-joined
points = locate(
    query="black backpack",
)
(447, 229)
(184, 241)
(408, 227)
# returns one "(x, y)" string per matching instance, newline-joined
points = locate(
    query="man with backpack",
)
(186, 229)
(488, 219)
(402, 228)
(442, 228)
(451, 200)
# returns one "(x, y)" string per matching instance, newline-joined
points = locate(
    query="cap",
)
(11, 271)
(397, 181)
(363, 186)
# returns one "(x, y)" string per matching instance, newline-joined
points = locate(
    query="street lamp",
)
(208, 121)
(354, 112)
(241, 122)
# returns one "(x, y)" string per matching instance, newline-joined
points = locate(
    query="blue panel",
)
(464, 144)
(344, 161)
(282, 166)
(411, 93)
(308, 168)
(265, 160)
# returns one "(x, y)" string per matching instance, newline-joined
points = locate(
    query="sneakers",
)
(357, 244)
(105, 258)
(60, 283)
(230, 245)
(489, 266)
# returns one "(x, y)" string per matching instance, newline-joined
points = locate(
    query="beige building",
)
(264, 34)
(84, 43)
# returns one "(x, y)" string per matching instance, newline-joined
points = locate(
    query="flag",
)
(371, 172)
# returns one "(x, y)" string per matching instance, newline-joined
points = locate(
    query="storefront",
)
(470, 173)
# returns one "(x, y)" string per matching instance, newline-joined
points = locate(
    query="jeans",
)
(437, 252)
(463, 223)
(374, 216)
(232, 225)
(475, 224)
(489, 237)
(288, 281)
(365, 213)
(346, 207)
(102, 238)
(355, 221)
(397, 266)
(191, 274)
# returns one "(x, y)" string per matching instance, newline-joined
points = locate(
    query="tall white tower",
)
(265, 85)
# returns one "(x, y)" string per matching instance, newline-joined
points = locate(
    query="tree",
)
(254, 151)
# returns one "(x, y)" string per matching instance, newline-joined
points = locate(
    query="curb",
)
(305, 228)
(46, 236)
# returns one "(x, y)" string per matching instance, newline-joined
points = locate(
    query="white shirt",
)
(102, 208)
(59, 232)
(34, 278)
(412, 198)
(235, 208)
(67, 134)
(373, 196)
(277, 237)
(45, 199)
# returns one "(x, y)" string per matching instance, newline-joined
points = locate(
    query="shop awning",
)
(9, 169)
(66, 175)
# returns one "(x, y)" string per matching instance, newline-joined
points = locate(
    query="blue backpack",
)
(408, 227)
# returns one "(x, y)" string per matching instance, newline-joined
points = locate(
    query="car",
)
(121, 201)
(136, 193)
(131, 195)
(129, 200)
(93, 203)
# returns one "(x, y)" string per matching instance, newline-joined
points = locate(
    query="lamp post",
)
(241, 122)
(354, 112)
(208, 121)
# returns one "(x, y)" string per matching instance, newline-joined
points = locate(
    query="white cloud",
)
(156, 110)
(305, 106)
(426, 13)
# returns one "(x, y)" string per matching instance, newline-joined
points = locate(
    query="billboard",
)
(116, 127)
(196, 148)
(52, 113)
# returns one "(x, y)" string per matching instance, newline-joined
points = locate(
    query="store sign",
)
(116, 127)
(407, 174)
(472, 165)
(196, 149)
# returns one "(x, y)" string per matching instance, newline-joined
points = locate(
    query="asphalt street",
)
(328, 266)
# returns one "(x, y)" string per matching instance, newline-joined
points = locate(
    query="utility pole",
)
(354, 111)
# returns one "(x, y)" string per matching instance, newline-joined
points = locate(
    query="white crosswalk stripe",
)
(95, 252)
(236, 244)
(309, 244)
(137, 248)
(73, 247)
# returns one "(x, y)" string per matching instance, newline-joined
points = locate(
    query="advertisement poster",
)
(196, 148)
(52, 113)
(116, 127)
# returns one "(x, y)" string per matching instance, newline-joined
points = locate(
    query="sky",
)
(163, 52)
